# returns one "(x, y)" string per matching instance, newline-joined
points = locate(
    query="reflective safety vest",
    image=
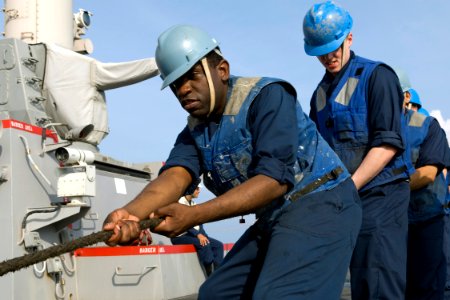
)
(227, 155)
(428, 201)
(342, 121)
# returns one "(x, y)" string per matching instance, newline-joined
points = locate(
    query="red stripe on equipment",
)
(135, 250)
(29, 128)
(228, 246)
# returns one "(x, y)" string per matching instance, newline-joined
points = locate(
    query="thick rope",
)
(18, 263)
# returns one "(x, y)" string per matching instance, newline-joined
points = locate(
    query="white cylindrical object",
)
(70, 156)
(40, 21)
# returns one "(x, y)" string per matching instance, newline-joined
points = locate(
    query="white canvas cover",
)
(74, 86)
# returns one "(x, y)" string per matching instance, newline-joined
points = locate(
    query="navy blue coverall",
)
(358, 109)
(298, 250)
(426, 269)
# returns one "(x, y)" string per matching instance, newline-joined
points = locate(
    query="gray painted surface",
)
(29, 176)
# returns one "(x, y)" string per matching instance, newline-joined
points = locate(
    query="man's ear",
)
(223, 70)
(350, 39)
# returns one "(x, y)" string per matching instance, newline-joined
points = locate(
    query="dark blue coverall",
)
(359, 109)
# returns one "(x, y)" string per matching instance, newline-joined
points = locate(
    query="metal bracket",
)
(30, 63)
(37, 99)
(119, 273)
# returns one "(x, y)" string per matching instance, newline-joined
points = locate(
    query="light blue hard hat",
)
(403, 78)
(415, 99)
(325, 27)
(179, 49)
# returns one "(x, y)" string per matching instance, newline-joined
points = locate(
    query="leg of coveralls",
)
(238, 270)
(217, 249)
(378, 267)
(204, 253)
(426, 269)
(447, 250)
(311, 246)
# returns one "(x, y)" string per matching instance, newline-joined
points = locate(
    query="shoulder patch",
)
(241, 89)
(417, 120)
(346, 93)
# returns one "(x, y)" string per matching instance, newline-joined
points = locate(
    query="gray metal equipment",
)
(55, 185)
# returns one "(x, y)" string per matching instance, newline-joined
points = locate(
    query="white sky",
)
(259, 38)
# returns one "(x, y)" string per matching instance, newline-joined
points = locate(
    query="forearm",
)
(375, 160)
(165, 189)
(422, 177)
(243, 199)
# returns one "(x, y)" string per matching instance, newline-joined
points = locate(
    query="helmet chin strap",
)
(212, 92)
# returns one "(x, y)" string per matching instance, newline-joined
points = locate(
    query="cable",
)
(22, 237)
(63, 261)
(30, 159)
(24, 220)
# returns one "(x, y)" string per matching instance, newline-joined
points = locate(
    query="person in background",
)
(209, 250)
(258, 153)
(357, 108)
(426, 271)
(430, 155)
(411, 96)
(447, 228)
(414, 103)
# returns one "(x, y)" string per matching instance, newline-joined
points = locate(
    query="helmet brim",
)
(178, 73)
(325, 49)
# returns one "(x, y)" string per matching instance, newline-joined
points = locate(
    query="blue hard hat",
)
(179, 49)
(403, 78)
(325, 27)
(423, 111)
(415, 99)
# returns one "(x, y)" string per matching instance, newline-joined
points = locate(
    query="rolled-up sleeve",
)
(273, 124)
(434, 149)
(385, 105)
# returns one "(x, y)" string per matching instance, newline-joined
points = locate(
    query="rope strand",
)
(18, 263)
